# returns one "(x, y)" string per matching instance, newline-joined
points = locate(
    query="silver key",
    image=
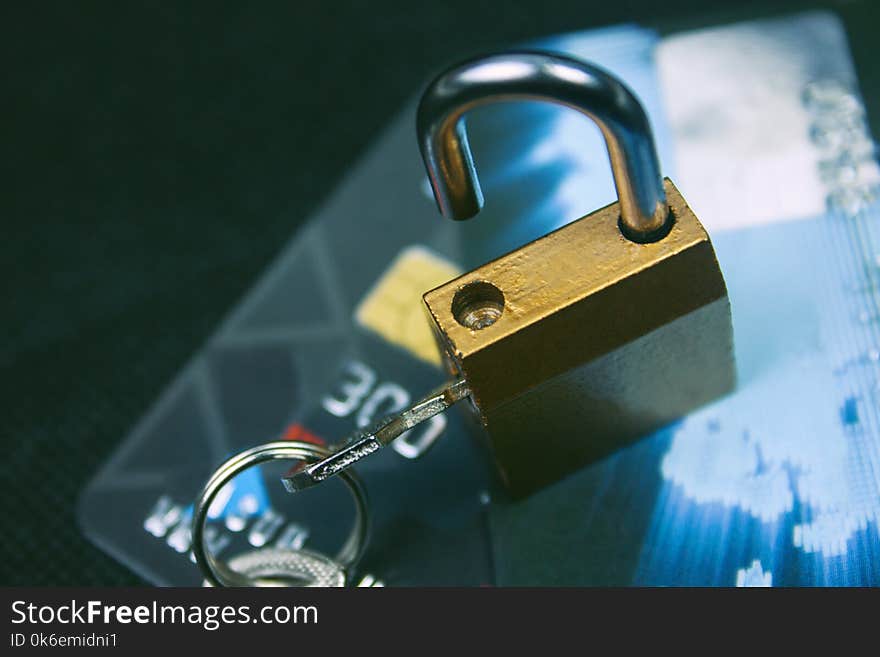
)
(364, 443)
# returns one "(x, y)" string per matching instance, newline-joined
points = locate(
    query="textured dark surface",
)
(154, 160)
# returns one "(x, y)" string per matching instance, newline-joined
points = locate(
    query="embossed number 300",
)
(359, 393)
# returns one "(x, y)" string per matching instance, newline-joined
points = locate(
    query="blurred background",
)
(156, 159)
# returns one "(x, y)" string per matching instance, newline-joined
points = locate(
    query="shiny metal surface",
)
(364, 443)
(218, 573)
(583, 87)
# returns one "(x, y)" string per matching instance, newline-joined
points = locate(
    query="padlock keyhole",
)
(477, 305)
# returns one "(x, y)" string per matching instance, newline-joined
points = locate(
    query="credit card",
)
(777, 484)
(330, 338)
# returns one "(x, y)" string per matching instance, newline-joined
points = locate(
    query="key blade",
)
(337, 462)
(364, 443)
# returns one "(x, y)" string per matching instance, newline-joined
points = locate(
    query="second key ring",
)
(218, 573)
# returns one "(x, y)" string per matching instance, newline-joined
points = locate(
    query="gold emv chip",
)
(393, 307)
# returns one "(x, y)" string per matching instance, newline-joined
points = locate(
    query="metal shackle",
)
(541, 76)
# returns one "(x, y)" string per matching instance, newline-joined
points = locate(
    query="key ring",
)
(289, 567)
(218, 573)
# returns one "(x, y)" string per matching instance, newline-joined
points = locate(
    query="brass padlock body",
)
(600, 341)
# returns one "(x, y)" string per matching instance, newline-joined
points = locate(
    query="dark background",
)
(154, 161)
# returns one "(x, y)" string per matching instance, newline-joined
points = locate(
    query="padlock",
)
(590, 337)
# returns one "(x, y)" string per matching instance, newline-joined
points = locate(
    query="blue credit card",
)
(778, 484)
